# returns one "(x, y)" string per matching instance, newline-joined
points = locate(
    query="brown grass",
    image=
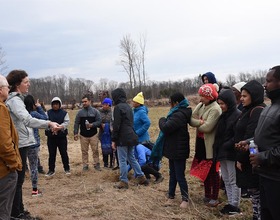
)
(90, 195)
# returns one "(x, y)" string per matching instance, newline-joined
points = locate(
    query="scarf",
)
(158, 147)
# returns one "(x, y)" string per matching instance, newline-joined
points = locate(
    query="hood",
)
(228, 97)
(118, 96)
(13, 94)
(210, 76)
(143, 108)
(57, 99)
(256, 90)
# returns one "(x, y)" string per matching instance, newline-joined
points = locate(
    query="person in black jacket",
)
(252, 98)
(124, 139)
(267, 162)
(176, 145)
(224, 151)
(58, 139)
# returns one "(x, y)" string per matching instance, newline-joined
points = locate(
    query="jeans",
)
(7, 191)
(177, 175)
(126, 154)
(229, 177)
(18, 207)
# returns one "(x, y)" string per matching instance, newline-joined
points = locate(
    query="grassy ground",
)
(90, 195)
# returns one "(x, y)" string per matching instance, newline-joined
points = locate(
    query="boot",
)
(97, 167)
(121, 185)
(142, 180)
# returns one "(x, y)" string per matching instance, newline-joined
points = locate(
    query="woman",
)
(224, 150)
(36, 111)
(24, 122)
(176, 147)
(252, 97)
(205, 117)
(141, 121)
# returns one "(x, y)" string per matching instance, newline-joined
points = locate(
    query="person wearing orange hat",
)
(205, 117)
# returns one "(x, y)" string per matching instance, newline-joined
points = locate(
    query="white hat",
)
(238, 86)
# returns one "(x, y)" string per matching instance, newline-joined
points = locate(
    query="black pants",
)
(106, 158)
(148, 169)
(18, 207)
(270, 196)
(61, 144)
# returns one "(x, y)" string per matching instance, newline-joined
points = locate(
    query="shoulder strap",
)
(259, 106)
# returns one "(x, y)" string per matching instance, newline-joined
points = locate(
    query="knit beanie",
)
(208, 91)
(238, 86)
(139, 98)
(107, 101)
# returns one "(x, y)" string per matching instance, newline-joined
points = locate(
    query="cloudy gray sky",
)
(184, 37)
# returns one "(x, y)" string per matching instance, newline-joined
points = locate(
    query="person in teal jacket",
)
(141, 121)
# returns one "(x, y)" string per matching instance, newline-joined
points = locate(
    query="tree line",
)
(71, 90)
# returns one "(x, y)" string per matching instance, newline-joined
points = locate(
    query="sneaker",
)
(121, 185)
(159, 179)
(225, 209)
(67, 172)
(50, 173)
(36, 193)
(233, 211)
(213, 203)
(85, 168)
(206, 200)
(184, 205)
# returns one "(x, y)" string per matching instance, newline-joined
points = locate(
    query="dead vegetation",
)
(90, 195)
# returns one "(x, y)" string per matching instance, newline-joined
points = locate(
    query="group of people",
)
(227, 119)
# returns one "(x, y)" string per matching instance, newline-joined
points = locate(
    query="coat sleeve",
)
(116, 123)
(145, 124)
(172, 124)
(211, 121)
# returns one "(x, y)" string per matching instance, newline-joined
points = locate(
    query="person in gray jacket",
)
(24, 123)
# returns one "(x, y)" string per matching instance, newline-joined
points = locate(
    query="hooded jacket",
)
(210, 76)
(123, 133)
(267, 139)
(224, 139)
(245, 128)
(23, 121)
(61, 117)
(141, 123)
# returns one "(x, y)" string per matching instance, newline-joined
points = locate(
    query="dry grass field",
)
(90, 195)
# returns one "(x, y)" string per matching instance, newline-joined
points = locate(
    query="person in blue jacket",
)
(141, 121)
(143, 156)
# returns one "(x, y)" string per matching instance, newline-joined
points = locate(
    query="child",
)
(105, 132)
(58, 139)
(36, 111)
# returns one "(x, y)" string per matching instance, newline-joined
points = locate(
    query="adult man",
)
(10, 160)
(88, 120)
(267, 162)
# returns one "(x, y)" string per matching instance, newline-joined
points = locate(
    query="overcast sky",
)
(184, 37)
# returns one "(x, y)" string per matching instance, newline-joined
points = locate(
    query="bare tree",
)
(128, 56)
(230, 80)
(3, 66)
